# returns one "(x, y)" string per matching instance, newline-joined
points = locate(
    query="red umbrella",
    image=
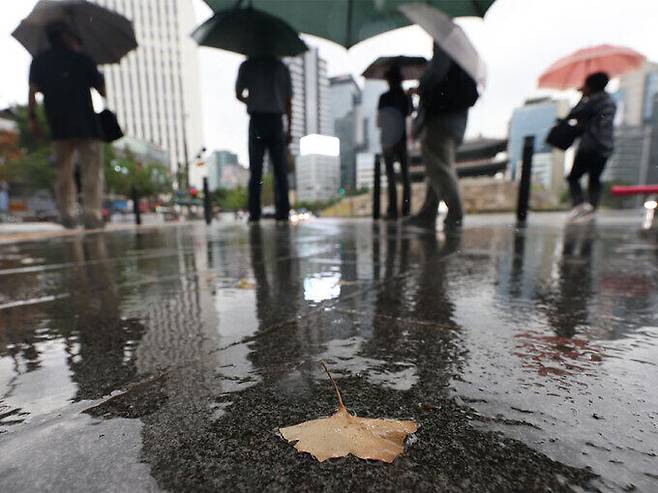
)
(571, 71)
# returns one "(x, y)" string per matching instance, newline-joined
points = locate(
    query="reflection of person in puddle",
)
(569, 298)
(91, 317)
(413, 321)
(278, 294)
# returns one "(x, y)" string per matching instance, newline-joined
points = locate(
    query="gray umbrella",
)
(106, 36)
(250, 32)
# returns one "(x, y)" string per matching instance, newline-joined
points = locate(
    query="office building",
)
(636, 93)
(155, 89)
(224, 170)
(535, 118)
(310, 107)
(365, 171)
(635, 160)
(372, 90)
(318, 169)
(345, 98)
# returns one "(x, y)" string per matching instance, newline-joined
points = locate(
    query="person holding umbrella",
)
(67, 41)
(447, 89)
(65, 77)
(394, 107)
(265, 86)
(595, 115)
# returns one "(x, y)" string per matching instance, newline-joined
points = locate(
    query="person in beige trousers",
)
(65, 77)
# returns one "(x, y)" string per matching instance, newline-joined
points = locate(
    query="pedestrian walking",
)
(65, 77)
(595, 114)
(394, 107)
(265, 86)
(446, 93)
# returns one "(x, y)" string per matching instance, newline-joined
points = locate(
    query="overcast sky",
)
(518, 39)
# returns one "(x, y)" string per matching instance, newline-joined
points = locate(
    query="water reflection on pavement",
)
(167, 359)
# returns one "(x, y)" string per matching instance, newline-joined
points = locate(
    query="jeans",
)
(266, 134)
(90, 154)
(591, 164)
(439, 148)
(391, 154)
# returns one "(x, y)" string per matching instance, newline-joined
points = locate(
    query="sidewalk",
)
(167, 360)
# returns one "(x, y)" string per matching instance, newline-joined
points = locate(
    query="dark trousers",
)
(591, 164)
(398, 153)
(266, 134)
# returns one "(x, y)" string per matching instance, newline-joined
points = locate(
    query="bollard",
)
(207, 206)
(524, 185)
(377, 188)
(134, 195)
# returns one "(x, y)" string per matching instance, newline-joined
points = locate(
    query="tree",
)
(150, 180)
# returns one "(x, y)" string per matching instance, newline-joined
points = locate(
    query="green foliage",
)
(230, 200)
(357, 191)
(34, 170)
(27, 140)
(122, 174)
(32, 166)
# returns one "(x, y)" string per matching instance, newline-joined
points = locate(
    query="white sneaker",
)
(584, 209)
(586, 214)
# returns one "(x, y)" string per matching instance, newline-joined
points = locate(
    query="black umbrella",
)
(411, 67)
(250, 32)
(106, 36)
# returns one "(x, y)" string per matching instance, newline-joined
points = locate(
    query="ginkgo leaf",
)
(343, 434)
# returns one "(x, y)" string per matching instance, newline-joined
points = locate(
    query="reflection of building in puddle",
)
(322, 287)
(343, 358)
(555, 355)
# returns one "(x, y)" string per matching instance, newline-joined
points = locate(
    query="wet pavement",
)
(167, 359)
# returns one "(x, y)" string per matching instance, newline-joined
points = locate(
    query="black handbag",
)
(110, 128)
(563, 135)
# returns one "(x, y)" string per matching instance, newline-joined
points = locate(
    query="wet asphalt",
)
(166, 359)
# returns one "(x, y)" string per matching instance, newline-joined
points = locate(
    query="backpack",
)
(456, 92)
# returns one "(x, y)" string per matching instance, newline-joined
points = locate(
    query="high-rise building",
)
(310, 106)
(535, 118)
(372, 90)
(155, 89)
(345, 98)
(224, 170)
(318, 169)
(637, 90)
(635, 160)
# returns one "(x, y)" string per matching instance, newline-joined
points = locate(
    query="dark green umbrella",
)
(348, 22)
(250, 32)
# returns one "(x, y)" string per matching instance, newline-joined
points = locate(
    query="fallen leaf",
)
(343, 434)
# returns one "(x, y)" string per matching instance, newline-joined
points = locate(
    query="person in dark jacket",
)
(265, 86)
(595, 115)
(65, 77)
(394, 107)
